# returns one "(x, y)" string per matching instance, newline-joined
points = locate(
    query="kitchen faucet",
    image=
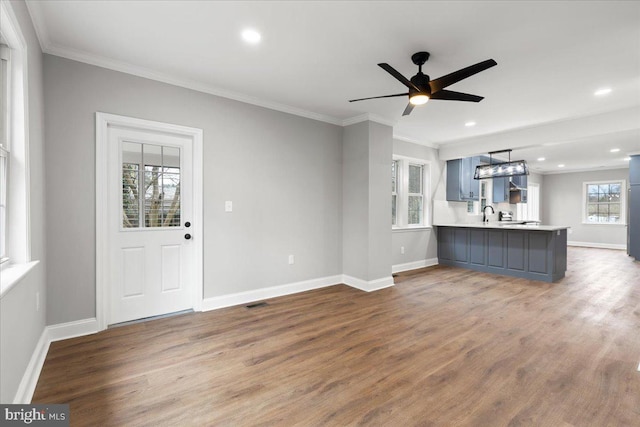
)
(484, 213)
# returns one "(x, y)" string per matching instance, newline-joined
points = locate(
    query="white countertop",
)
(507, 226)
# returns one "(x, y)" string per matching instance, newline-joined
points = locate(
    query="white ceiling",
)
(314, 56)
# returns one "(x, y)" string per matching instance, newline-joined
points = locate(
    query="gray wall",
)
(355, 200)
(419, 245)
(282, 172)
(380, 154)
(20, 324)
(367, 150)
(561, 204)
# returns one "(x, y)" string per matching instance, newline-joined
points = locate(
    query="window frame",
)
(402, 193)
(394, 192)
(5, 153)
(18, 260)
(623, 202)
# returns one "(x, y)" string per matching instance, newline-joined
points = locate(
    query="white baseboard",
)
(414, 265)
(266, 293)
(50, 334)
(598, 245)
(30, 378)
(367, 286)
(63, 331)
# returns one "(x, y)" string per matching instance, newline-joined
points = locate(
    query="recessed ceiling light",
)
(251, 36)
(627, 159)
(470, 124)
(602, 91)
(561, 166)
(614, 150)
(541, 159)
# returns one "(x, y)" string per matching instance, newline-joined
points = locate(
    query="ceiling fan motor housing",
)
(421, 81)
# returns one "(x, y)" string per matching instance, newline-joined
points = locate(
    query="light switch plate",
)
(228, 206)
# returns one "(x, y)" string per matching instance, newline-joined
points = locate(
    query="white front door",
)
(150, 214)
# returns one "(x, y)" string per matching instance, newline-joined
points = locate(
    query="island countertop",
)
(506, 225)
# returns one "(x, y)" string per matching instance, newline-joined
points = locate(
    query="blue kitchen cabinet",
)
(633, 230)
(634, 170)
(634, 222)
(461, 186)
(527, 253)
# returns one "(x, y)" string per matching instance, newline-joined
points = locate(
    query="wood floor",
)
(444, 347)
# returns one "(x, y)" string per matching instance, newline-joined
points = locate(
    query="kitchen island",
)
(529, 251)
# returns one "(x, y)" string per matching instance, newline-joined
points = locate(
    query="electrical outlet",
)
(37, 301)
(291, 259)
(402, 249)
(228, 206)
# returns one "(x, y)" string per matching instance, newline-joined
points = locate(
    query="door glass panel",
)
(162, 186)
(131, 160)
(150, 184)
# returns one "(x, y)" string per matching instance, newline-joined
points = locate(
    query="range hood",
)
(503, 169)
(515, 193)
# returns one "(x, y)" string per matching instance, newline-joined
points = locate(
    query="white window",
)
(604, 202)
(14, 159)
(416, 194)
(394, 192)
(409, 187)
(4, 145)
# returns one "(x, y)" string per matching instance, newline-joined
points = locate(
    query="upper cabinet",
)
(634, 170)
(461, 187)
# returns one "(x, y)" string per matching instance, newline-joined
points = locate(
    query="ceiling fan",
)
(421, 88)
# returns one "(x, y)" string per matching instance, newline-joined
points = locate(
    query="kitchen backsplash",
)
(456, 212)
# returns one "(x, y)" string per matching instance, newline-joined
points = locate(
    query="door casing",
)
(103, 122)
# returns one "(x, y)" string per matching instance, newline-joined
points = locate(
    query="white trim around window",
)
(622, 202)
(18, 249)
(402, 193)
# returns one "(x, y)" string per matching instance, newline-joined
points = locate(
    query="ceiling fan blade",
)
(456, 96)
(444, 81)
(375, 97)
(389, 69)
(408, 110)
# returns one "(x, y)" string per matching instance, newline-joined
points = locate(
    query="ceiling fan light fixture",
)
(419, 99)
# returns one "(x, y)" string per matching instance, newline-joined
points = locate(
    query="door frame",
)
(103, 122)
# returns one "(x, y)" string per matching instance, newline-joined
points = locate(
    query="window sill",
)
(608, 224)
(12, 274)
(412, 228)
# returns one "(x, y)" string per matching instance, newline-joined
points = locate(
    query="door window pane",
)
(162, 186)
(131, 159)
(150, 184)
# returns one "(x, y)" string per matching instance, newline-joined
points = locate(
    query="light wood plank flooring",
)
(444, 347)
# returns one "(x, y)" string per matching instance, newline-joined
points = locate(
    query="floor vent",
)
(257, 304)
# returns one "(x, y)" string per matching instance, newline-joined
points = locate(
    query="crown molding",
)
(42, 34)
(368, 117)
(415, 141)
(147, 73)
